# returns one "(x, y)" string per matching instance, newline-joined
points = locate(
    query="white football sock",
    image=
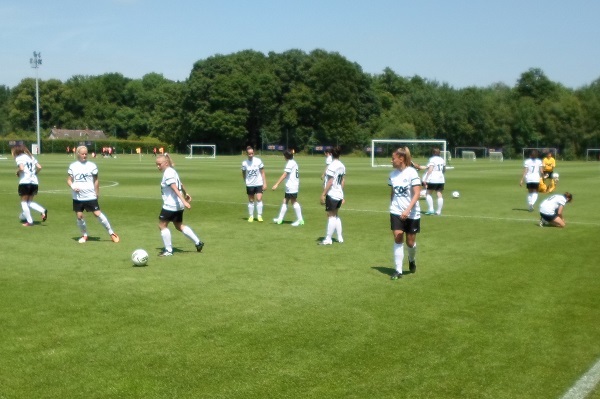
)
(282, 211)
(36, 207)
(251, 209)
(259, 208)
(189, 233)
(429, 200)
(298, 210)
(331, 224)
(534, 197)
(440, 203)
(26, 211)
(166, 237)
(338, 228)
(398, 256)
(105, 223)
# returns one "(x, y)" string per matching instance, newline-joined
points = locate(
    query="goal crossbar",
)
(374, 142)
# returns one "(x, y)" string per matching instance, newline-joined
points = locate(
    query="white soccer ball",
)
(555, 176)
(139, 257)
(455, 194)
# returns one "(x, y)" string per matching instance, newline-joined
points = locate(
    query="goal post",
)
(382, 149)
(496, 156)
(202, 151)
(468, 155)
(480, 152)
(592, 154)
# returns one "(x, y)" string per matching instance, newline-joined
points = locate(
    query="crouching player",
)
(551, 210)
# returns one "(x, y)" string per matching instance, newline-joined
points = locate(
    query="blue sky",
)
(459, 42)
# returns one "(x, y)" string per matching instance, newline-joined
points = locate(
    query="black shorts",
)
(254, 190)
(534, 186)
(88, 206)
(291, 196)
(435, 186)
(550, 174)
(409, 226)
(28, 189)
(331, 203)
(548, 218)
(171, 216)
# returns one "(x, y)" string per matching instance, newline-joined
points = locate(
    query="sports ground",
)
(498, 307)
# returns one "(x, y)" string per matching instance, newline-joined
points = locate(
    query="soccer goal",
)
(496, 156)
(479, 152)
(468, 156)
(592, 154)
(420, 150)
(202, 151)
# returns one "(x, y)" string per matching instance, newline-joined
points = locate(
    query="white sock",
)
(411, 252)
(282, 211)
(26, 211)
(429, 200)
(338, 228)
(398, 256)
(189, 233)
(529, 199)
(440, 202)
(166, 237)
(331, 224)
(534, 197)
(82, 226)
(259, 208)
(251, 209)
(298, 210)
(105, 223)
(36, 207)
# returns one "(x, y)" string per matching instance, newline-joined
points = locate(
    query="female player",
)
(27, 171)
(405, 213)
(291, 174)
(175, 199)
(532, 173)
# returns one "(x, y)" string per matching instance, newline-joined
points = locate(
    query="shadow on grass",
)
(90, 238)
(523, 210)
(388, 270)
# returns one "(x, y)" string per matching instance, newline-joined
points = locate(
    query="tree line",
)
(300, 100)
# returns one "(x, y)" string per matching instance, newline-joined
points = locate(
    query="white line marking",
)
(585, 385)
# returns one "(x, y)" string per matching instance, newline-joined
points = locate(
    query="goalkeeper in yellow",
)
(548, 163)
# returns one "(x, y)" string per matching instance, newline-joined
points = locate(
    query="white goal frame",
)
(496, 156)
(213, 154)
(541, 150)
(464, 158)
(374, 142)
(459, 150)
(587, 153)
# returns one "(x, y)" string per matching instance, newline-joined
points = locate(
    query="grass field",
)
(499, 307)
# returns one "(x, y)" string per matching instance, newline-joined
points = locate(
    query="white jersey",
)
(437, 174)
(292, 183)
(82, 175)
(533, 167)
(252, 169)
(551, 204)
(27, 176)
(171, 202)
(335, 172)
(328, 160)
(403, 183)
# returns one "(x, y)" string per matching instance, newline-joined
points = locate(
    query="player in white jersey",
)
(532, 173)
(405, 212)
(83, 180)
(291, 174)
(328, 161)
(253, 173)
(27, 170)
(551, 210)
(434, 180)
(175, 200)
(333, 197)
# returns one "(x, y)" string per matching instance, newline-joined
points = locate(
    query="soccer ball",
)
(139, 257)
(456, 194)
(555, 176)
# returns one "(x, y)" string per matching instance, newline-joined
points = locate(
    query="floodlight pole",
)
(35, 62)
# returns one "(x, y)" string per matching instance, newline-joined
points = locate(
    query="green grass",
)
(499, 308)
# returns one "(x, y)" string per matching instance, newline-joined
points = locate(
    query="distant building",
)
(77, 135)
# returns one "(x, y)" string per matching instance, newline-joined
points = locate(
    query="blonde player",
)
(83, 181)
(291, 174)
(253, 173)
(405, 212)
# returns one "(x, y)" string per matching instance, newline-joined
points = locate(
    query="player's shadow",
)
(522, 210)
(90, 238)
(388, 271)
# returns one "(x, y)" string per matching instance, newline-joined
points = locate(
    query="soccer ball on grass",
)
(139, 257)
(455, 194)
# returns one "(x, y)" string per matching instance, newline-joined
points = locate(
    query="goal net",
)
(592, 154)
(381, 150)
(202, 151)
(496, 156)
(469, 155)
(480, 152)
